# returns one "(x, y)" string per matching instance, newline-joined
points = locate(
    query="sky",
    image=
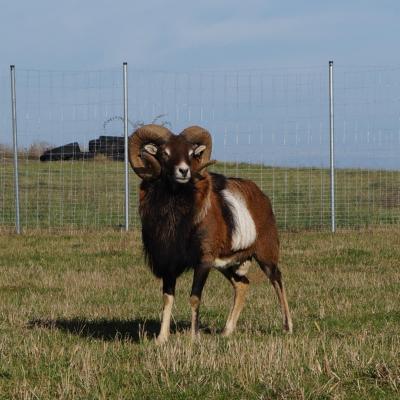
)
(187, 35)
(294, 40)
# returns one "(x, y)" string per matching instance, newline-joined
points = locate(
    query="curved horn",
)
(145, 165)
(200, 136)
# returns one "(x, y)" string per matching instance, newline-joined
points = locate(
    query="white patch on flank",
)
(244, 233)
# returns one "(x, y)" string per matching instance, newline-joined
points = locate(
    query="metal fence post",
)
(125, 84)
(332, 147)
(15, 148)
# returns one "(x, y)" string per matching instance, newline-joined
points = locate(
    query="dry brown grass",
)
(78, 313)
(33, 152)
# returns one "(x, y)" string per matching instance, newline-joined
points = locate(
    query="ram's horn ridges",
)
(145, 165)
(200, 136)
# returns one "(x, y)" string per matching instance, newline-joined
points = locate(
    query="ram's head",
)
(154, 152)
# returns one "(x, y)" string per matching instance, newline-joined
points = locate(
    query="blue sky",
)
(186, 35)
(280, 115)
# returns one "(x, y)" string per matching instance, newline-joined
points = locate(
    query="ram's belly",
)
(241, 268)
(223, 263)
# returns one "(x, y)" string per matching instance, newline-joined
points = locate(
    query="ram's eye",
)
(190, 152)
(166, 153)
(198, 151)
(151, 148)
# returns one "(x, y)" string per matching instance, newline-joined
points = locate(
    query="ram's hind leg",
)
(168, 298)
(274, 274)
(240, 285)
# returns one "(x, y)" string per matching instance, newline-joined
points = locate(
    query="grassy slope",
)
(78, 313)
(90, 194)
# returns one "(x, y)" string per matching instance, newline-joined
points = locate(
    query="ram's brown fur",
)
(192, 225)
(217, 242)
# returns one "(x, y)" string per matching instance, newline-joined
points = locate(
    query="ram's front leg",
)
(199, 279)
(168, 298)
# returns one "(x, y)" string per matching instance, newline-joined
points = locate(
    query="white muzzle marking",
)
(182, 172)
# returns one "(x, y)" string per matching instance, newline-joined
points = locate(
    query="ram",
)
(195, 219)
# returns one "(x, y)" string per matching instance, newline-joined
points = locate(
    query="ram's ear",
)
(151, 149)
(198, 151)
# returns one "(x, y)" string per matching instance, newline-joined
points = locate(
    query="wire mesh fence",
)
(271, 126)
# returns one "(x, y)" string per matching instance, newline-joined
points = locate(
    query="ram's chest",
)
(167, 219)
(166, 230)
(169, 235)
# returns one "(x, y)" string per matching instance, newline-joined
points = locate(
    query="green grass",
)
(90, 194)
(78, 313)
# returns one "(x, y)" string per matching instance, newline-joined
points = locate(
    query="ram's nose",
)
(183, 171)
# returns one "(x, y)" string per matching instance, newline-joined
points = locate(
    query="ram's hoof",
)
(288, 327)
(226, 333)
(161, 339)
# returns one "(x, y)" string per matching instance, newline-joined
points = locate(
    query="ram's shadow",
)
(133, 330)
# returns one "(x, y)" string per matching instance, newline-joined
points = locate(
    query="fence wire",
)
(271, 126)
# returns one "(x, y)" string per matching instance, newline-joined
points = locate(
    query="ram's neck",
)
(191, 201)
(202, 199)
(160, 200)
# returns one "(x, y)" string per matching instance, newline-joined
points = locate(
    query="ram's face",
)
(178, 158)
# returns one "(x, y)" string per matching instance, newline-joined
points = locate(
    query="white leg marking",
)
(238, 303)
(195, 305)
(166, 319)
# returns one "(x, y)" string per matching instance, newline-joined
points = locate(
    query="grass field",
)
(78, 313)
(90, 194)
